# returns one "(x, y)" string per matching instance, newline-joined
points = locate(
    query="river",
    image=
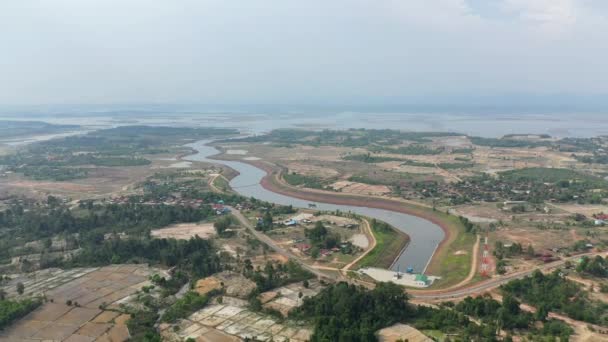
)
(425, 236)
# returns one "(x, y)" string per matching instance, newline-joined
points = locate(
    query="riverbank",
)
(424, 225)
(453, 257)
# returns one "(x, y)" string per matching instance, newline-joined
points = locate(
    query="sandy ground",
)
(338, 220)
(360, 240)
(181, 164)
(185, 231)
(587, 210)
(401, 332)
(360, 188)
(312, 170)
(237, 152)
(539, 239)
(101, 181)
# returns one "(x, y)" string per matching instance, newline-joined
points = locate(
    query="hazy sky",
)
(304, 51)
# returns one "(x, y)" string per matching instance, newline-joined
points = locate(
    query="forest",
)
(553, 292)
(344, 312)
(346, 138)
(39, 222)
(10, 129)
(535, 185)
(65, 158)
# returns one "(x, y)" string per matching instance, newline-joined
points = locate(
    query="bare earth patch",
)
(401, 332)
(90, 288)
(237, 152)
(360, 188)
(312, 170)
(360, 240)
(185, 231)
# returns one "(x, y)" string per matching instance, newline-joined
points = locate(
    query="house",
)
(303, 247)
(602, 217)
(326, 252)
(421, 280)
(290, 223)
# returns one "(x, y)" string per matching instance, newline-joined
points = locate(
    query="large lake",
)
(478, 123)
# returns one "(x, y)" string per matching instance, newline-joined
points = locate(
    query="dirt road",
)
(370, 235)
(271, 243)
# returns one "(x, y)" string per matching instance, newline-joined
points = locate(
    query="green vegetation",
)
(11, 129)
(64, 159)
(414, 149)
(596, 158)
(389, 243)
(272, 276)
(196, 257)
(302, 180)
(57, 174)
(597, 267)
(507, 142)
(450, 263)
(347, 138)
(535, 185)
(464, 150)
(551, 175)
(508, 316)
(183, 307)
(505, 315)
(222, 183)
(141, 326)
(397, 180)
(11, 310)
(345, 312)
(368, 158)
(222, 224)
(321, 237)
(31, 223)
(554, 293)
(447, 166)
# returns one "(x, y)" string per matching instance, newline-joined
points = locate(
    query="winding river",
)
(425, 236)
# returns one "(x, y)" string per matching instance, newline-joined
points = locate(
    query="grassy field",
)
(452, 260)
(453, 263)
(221, 183)
(389, 243)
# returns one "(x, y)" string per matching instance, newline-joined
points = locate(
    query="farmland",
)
(74, 297)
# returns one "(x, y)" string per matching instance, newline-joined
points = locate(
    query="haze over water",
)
(477, 124)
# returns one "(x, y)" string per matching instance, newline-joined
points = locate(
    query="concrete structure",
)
(404, 279)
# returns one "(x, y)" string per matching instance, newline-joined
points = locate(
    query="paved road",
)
(491, 283)
(417, 294)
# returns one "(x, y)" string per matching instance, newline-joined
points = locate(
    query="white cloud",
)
(265, 51)
(549, 16)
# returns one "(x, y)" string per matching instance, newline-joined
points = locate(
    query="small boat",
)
(312, 205)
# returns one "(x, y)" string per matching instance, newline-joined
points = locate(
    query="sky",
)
(353, 52)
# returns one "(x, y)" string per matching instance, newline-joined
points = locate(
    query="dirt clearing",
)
(360, 188)
(185, 231)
